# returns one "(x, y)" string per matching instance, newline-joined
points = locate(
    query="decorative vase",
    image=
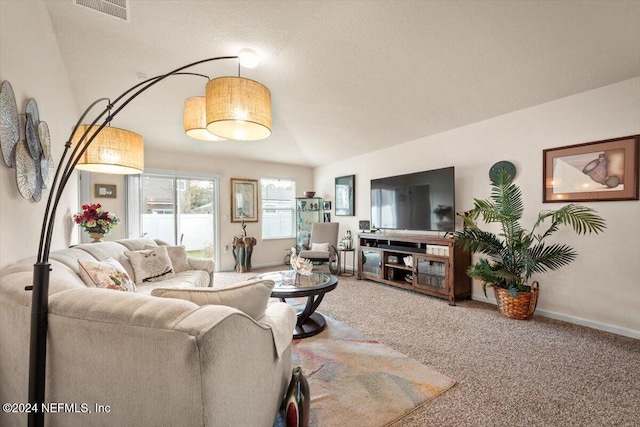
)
(97, 237)
(521, 306)
(297, 400)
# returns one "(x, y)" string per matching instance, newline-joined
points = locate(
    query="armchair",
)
(323, 244)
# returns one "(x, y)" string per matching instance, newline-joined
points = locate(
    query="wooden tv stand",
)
(437, 267)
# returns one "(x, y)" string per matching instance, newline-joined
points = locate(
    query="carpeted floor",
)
(541, 372)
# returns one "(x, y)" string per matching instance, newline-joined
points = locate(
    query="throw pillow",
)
(178, 257)
(250, 297)
(151, 265)
(320, 247)
(108, 274)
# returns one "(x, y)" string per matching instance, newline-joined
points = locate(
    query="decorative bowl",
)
(309, 193)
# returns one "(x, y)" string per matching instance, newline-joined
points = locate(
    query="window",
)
(176, 207)
(278, 208)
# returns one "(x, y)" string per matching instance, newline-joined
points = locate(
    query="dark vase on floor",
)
(297, 400)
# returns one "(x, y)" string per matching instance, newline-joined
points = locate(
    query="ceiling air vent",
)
(114, 8)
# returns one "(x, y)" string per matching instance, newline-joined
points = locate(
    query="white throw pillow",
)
(108, 274)
(250, 297)
(178, 257)
(320, 247)
(151, 265)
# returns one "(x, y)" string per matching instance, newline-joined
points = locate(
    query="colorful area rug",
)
(356, 381)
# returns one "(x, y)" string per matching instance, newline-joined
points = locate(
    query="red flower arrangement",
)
(95, 220)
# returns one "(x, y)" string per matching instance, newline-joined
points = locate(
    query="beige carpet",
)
(541, 372)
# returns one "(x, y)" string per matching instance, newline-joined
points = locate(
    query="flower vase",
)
(97, 237)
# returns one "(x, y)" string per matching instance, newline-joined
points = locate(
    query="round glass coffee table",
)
(292, 285)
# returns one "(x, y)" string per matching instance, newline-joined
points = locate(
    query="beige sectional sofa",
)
(151, 361)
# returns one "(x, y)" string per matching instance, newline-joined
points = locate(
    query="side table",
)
(343, 269)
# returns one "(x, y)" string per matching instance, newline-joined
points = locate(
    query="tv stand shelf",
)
(429, 265)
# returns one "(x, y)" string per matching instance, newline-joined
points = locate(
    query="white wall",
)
(602, 287)
(31, 62)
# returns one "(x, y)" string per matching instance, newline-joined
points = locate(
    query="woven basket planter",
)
(521, 306)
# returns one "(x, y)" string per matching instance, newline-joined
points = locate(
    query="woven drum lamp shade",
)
(238, 108)
(194, 120)
(114, 150)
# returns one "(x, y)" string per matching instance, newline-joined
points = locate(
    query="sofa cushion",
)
(178, 257)
(186, 279)
(314, 254)
(108, 274)
(151, 265)
(250, 297)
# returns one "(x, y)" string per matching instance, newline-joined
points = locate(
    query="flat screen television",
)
(422, 201)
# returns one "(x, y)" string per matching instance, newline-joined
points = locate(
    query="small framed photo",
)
(592, 172)
(326, 217)
(326, 205)
(105, 191)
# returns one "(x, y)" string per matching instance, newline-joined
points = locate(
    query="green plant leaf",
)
(551, 257)
(515, 254)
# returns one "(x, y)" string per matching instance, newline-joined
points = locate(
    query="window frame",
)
(266, 206)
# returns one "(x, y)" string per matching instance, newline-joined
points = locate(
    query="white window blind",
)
(278, 208)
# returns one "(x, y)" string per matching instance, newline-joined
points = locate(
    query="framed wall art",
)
(595, 171)
(345, 195)
(105, 191)
(244, 200)
(326, 205)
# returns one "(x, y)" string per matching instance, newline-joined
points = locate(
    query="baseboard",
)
(575, 320)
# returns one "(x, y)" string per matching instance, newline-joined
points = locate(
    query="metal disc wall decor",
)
(37, 192)
(32, 157)
(47, 165)
(33, 140)
(48, 170)
(45, 138)
(32, 110)
(25, 170)
(9, 123)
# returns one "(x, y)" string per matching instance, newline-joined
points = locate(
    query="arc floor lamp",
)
(234, 108)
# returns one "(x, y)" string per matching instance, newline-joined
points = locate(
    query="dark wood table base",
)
(314, 325)
(309, 321)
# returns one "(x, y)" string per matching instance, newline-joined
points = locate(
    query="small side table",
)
(343, 262)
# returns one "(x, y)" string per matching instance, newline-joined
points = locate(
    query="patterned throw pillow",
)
(178, 257)
(320, 247)
(151, 265)
(108, 274)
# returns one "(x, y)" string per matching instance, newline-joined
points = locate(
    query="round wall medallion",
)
(502, 165)
(9, 124)
(25, 170)
(32, 110)
(33, 140)
(45, 138)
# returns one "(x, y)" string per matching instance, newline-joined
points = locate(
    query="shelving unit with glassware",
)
(429, 265)
(308, 211)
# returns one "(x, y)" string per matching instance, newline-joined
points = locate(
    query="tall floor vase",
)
(297, 400)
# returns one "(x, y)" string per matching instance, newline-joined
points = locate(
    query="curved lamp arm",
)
(41, 269)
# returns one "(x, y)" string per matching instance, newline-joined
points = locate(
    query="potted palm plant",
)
(515, 254)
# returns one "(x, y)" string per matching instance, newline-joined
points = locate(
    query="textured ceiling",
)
(348, 77)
